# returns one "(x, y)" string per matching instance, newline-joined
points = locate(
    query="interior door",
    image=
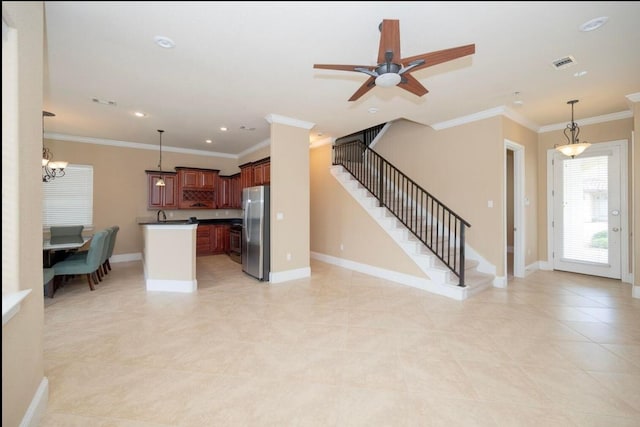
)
(587, 212)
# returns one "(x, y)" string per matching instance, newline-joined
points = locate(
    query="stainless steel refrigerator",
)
(255, 232)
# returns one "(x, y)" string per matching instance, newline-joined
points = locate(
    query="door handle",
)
(615, 212)
(615, 229)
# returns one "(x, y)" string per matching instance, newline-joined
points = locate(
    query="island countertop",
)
(153, 221)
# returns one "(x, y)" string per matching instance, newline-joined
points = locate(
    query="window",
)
(68, 200)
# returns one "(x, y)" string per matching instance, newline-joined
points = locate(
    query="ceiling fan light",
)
(388, 79)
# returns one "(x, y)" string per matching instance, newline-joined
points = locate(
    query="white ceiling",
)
(235, 63)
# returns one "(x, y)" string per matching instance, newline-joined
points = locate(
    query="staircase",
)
(442, 279)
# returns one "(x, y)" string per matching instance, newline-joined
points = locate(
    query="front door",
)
(587, 216)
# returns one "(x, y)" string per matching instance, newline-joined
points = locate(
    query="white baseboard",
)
(500, 282)
(454, 292)
(183, 286)
(38, 406)
(635, 292)
(286, 276)
(126, 257)
(545, 265)
(532, 268)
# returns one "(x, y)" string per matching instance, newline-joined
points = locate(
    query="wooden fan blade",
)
(389, 40)
(340, 67)
(413, 85)
(440, 56)
(366, 87)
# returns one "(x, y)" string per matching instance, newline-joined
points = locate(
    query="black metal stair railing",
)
(431, 221)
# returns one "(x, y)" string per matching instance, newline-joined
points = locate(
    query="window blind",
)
(68, 200)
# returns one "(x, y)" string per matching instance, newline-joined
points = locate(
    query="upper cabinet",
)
(255, 173)
(197, 188)
(229, 193)
(197, 179)
(262, 172)
(162, 197)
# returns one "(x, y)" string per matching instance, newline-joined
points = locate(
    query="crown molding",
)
(256, 147)
(493, 112)
(275, 118)
(135, 145)
(634, 97)
(321, 142)
(589, 121)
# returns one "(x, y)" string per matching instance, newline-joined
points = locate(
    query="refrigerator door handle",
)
(247, 223)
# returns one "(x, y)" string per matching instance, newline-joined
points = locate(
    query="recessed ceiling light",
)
(580, 73)
(164, 42)
(223, 129)
(372, 110)
(594, 24)
(208, 141)
(140, 114)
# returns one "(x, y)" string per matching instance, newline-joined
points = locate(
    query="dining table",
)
(61, 244)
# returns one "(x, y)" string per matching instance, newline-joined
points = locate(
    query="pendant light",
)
(50, 169)
(160, 182)
(573, 147)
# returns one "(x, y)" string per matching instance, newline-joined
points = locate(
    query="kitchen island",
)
(170, 249)
(169, 256)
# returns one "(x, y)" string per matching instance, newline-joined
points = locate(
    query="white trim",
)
(134, 145)
(275, 118)
(498, 111)
(11, 304)
(256, 147)
(38, 406)
(545, 265)
(285, 276)
(183, 286)
(519, 219)
(500, 282)
(451, 291)
(532, 268)
(634, 97)
(322, 142)
(380, 134)
(635, 292)
(624, 204)
(137, 256)
(589, 121)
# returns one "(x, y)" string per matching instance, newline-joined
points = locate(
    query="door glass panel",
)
(585, 209)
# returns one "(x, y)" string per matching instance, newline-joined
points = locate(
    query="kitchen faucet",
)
(164, 216)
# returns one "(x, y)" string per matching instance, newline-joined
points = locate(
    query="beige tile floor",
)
(341, 349)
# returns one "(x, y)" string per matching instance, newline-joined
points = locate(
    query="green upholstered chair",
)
(63, 233)
(84, 264)
(106, 265)
(47, 277)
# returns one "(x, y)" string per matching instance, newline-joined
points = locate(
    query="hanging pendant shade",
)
(573, 147)
(160, 182)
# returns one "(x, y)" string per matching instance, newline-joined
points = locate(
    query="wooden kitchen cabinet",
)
(212, 239)
(220, 239)
(203, 240)
(197, 188)
(197, 179)
(246, 175)
(255, 173)
(162, 197)
(262, 172)
(235, 191)
(229, 193)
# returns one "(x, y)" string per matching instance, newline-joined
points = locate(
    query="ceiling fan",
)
(392, 69)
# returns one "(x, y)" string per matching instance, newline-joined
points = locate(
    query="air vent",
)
(565, 62)
(104, 102)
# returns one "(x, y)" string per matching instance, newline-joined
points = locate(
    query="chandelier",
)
(50, 169)
(573, 147)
